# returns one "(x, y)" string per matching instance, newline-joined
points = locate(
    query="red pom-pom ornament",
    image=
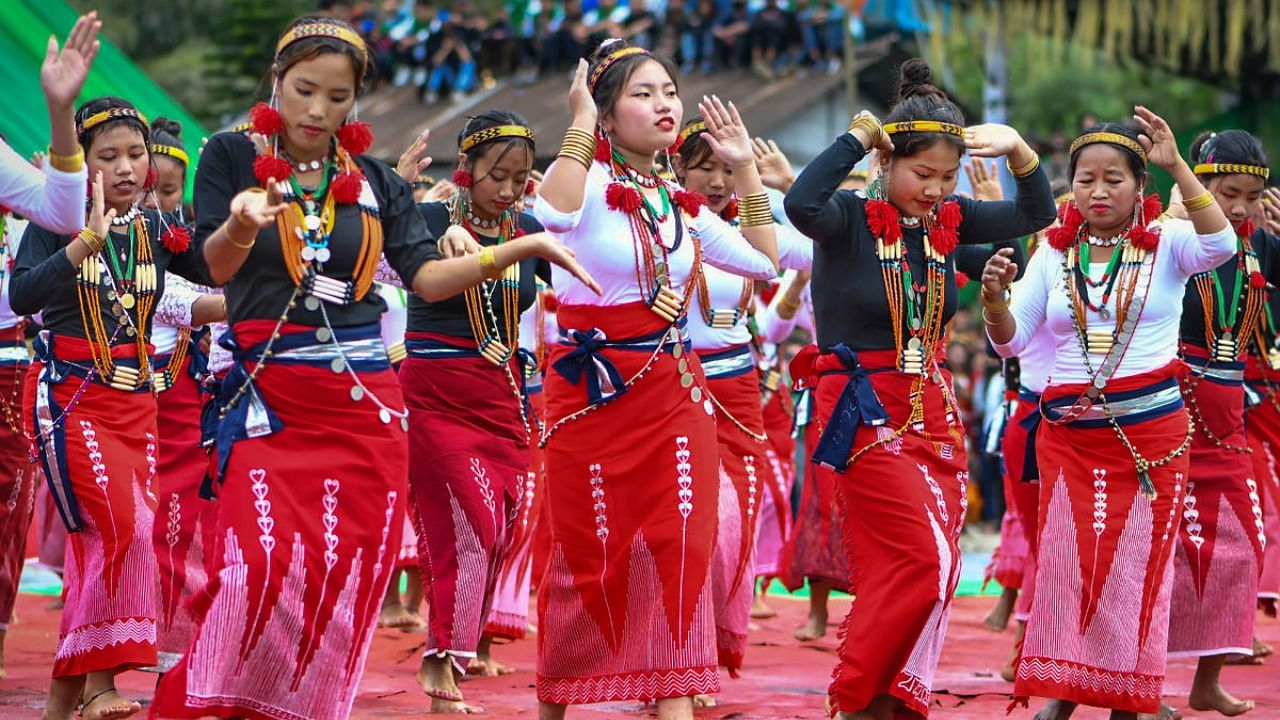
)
(462, 178)
(265, 119)
(176, 239)
(355, 137)
(622, 198)
(962, 279)
(346, 187)
(1256, 280)
(152, 179)
(267, 167)
(882, 220)
(689, 201)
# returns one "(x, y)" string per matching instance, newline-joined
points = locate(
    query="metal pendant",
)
(127, 301)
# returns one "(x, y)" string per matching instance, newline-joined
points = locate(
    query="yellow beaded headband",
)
(1232, 169)
(1111, 139)
(483, 136)
(857, 174)
(923, 126)
(329, 30)
(608, 62)
(693, 128)
(174, 152)
(119, 113)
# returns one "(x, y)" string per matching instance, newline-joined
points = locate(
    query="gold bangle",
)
(489, 269)
(1025, 170)
(787, 309)
(1199, 202)
(66, 163)
(91, 239)
(226, 228)
(986, 320)
(1000, 305)
(579, 145)
(870, 125)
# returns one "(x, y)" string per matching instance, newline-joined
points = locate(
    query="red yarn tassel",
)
(176, 239)
(347, 186)
(462, 178)
(265, 119)
(355, 137)
(267, 167)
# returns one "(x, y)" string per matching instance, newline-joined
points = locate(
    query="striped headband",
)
(609, 61)
(119, 113)
(693, 128)
(493, 133)
(325, 30)
(923, 126)
(1109, 138)
(1232, 169)
(176, 153)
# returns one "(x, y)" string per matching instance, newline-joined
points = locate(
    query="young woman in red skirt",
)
(626, 608)
(723, 343)
(1262, 419)
(884, 290)
(1219, 553)
(91, 410)
(295, 224)
(469, 421)
(1111, 447)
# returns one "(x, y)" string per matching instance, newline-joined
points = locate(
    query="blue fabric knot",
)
(248, 417)
(604, 382)
(1030, 465)
(858, 405)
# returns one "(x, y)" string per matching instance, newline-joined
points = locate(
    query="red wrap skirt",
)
(469, 461)
(1219, 552)
(1263, 421)
(98, 453)
(625, 609)
(815, 548)
(184, 530)
(904, 504)
(308, 528)
(774, 526)
(18, 474)
(1014, 566)
(1098, 632)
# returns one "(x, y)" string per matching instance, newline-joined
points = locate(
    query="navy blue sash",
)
(858, 405)
(587, 359)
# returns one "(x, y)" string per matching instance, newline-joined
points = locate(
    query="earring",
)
(354, 136)
(604, 152)
(153, 177)
(462, 178)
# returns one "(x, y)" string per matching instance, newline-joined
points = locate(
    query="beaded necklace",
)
(1223, 336)
(721, 318)
(129, 279)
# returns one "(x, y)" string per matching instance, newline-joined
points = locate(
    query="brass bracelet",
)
(1199, 202)
(788, 309)
(987, 320)
(65, 163)
(226, 228)
(999, 305)
(579, 145)
(489, 269)
(91, 239)
(754, 210)
(870, 125)
(1025, 170)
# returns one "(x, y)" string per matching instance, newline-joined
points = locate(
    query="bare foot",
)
(1167, 712)
(398, 617)
(1242, 659)
(814, 629)
(484, 665)
(108, 705)
(998, 618)
(704, 701)
(1261, 649)
(760, 610)
(1055, 710)
(1215, 698)
(1009, 672)
(435, 676)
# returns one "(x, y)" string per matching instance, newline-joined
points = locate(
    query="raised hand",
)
(99, 221)
(581, 104)
(775, 168)
(63, 73)
(999, 273)
(414, 160)
(991, 140)
(1157, 138)
(256, 207)
(726, 133)
(1269, 211)
(984, 180)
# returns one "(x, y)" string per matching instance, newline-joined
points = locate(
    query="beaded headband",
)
(1232, 169)
(119, 113)
(693, 128)
(1109, 138)
(609, 61)
(493, 133)
(176, 153)
(329, 30)
(923, 126)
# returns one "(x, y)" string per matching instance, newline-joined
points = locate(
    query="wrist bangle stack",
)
(1025, 170)
(870, 125)
(579, 146)
(489, 269)
(66, 163)
(986, 319)
(787, 309)
(1199, 202)
(1000, 304)
(92, 239)
(754, 211)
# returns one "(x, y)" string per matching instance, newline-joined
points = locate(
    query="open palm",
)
(63, 73)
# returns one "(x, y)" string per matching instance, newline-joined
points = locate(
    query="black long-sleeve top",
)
(44, 280)
(449, 316)
(1267, 247)
(849, 300)
(262, 286)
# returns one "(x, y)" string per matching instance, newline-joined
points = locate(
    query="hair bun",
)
(166, 125)
(915, 78)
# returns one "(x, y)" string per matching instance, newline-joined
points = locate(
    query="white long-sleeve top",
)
(777, 329)
(601, 239)
(173, 312)
(52, 199)
(13, 230)
(1041, 304)
(795, 252)
(1035, 363)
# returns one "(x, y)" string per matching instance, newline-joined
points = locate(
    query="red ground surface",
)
(782, 678)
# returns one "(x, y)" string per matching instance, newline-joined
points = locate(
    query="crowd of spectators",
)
(452, 47)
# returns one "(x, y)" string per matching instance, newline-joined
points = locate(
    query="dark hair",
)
(491, 119)
(309, 48)
(609, 86)
(1235, 147)
(102, 104)
(1136, 164)
(166, 132)
(695, 150)
(919, 99)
